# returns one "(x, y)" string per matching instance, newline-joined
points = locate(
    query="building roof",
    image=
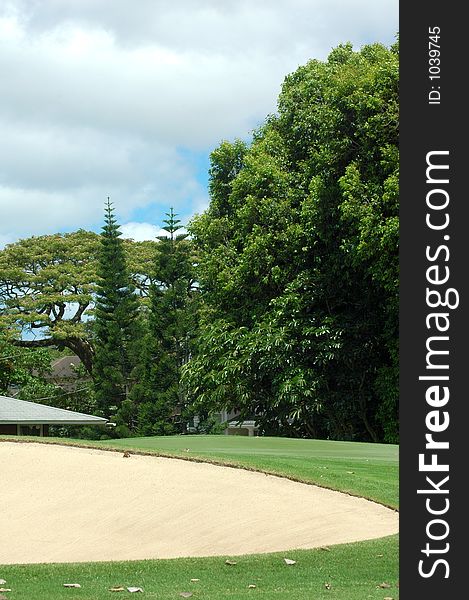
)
(65, 367)
(17, 411)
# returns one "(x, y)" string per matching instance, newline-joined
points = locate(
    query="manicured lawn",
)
(352, 571)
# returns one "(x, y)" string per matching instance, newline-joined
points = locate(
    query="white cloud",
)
(140, 232)
(228, 26)
(76, 79)
(115, 98)
(6, 239)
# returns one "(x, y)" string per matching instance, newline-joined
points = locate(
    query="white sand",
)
(62, 504)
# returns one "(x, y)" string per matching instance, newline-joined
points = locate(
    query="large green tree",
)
(116, 323)
(159, 397)
(46, 291)
(48, 287)
(299, 257)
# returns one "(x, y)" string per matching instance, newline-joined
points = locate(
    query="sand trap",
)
(60, 504)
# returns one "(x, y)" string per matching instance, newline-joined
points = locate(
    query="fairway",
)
(229, 444)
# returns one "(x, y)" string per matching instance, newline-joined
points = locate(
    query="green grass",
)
(353, 570)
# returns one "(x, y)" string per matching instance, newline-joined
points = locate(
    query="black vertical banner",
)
(434, 359)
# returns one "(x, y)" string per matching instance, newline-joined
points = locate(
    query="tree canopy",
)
(116, 326)
(299, 257)
(172, 318)
(48, 287)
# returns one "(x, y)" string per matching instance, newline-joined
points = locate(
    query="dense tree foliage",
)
(46, 291)
(159, 397)
(23, 369)
(48, 287)
(299, 258)
(116, 323)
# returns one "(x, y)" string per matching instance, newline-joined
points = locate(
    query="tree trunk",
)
(364, 417)
(369, 428)
(82, 348)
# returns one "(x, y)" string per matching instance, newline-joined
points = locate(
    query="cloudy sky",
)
(127, 98)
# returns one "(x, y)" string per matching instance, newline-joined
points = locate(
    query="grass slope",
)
(353, 571)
